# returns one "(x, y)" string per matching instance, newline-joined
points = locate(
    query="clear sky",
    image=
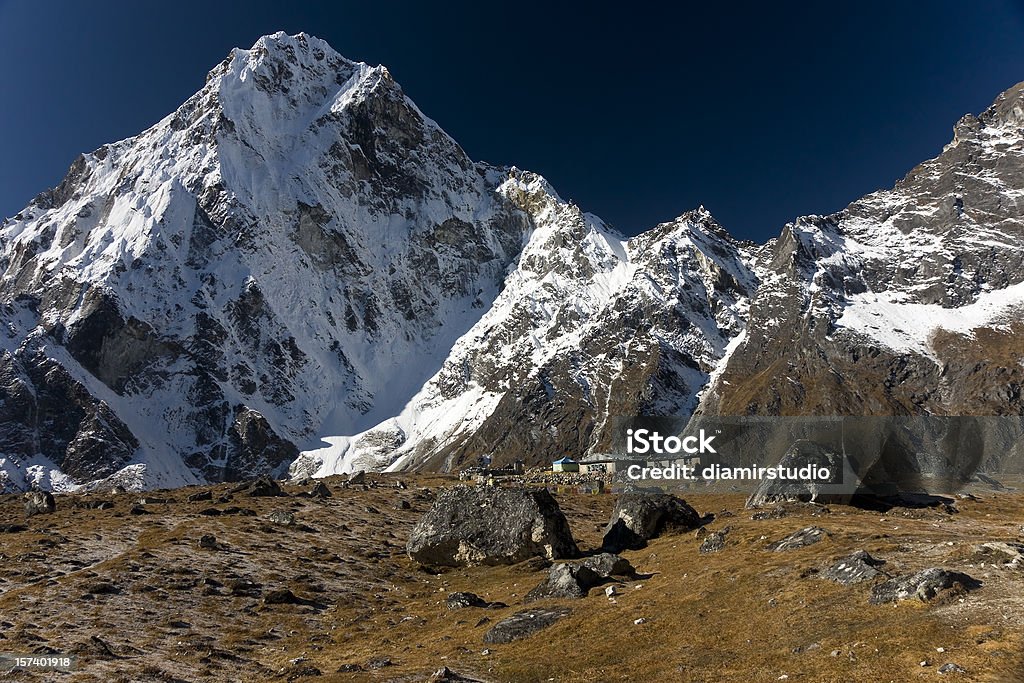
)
(637, 111)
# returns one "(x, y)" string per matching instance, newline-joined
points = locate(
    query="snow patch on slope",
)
(910, 327)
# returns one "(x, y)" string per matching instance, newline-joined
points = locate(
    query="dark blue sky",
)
(638, 112)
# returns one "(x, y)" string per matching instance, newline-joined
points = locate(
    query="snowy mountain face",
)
(907, 302)
(290, 254)
(298, 270)
(589, 326)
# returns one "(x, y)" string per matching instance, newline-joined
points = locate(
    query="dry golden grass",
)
(742, 614)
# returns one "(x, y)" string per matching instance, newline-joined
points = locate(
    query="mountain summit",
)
(297, 269)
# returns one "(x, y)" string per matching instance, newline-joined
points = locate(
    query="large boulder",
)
(39, 503)
(639, 517)
(801, 454)
(487, 525)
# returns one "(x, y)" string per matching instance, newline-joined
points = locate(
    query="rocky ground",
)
(215, 584)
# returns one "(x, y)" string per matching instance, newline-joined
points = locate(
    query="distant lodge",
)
(597, 464)
(483, 470)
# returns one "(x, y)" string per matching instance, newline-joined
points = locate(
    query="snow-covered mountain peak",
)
(297, 266)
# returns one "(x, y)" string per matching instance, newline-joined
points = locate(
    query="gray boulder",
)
(608, 564)
(446, 675)
(264, 487)
(282, 517)
(524, 623)
(565, 581)
(799, 539)
(485, 525)
(924, 585)
(574, 580)
(320, 491)
(39, 503)
(463, 600)
(854, 568)
(639, 517)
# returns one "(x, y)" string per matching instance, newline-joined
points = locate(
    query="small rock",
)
(637, 622)
(574, 580)
(924, 585)
(524, 623)
(281, 596)
(464, 600)
(609, 592)
(854, 568)
(264, 487)
(951, 668)
(208, 541)
(379, 663)
(139, 510)
(799, 539)
(282, 517)
(774, 513)
(446, 675)
(320, 491)
(608, 564)
(201, 496)
(94, 648)
(714, 541)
